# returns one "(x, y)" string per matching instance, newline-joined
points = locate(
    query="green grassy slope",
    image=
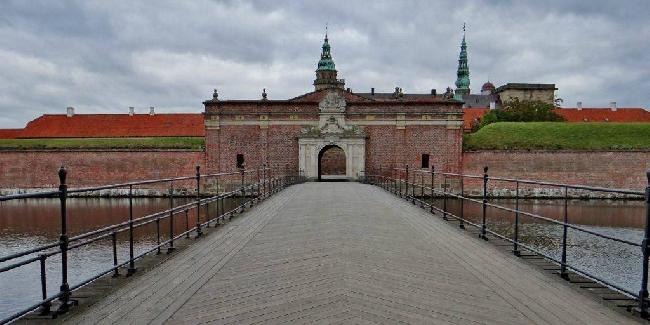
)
(559, 136)
(103, 143)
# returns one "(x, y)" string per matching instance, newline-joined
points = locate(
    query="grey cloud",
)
(103, 56)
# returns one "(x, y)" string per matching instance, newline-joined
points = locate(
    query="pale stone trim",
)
(398, 123)
(354, 149)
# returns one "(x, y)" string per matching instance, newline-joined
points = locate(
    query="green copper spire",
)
(462, 80)
(326, 62)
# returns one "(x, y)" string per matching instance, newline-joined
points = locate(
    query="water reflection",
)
(615, 262)
(26, 224)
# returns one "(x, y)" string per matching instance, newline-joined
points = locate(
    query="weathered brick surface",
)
(614, 169)
(38, 169)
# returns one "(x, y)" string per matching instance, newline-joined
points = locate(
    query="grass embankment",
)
(103, 143)
(559, 136)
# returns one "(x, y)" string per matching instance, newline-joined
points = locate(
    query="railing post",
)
(131, 270)
(461, 222)
(45, 307)
(381, 181)
(515, 239)
(563, 271)
(217, 202)
(263, 180)
(421, 188)
(483, 233)
(257, 186)
(243, 190)
(116, 271)
(171, 218)
(63, 242)
(187, 223)
(198, 202)
(444, 198)
(157, 235)
(433, 178)
(643, 293)
(406, 184)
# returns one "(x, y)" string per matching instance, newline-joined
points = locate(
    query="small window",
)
(240, 160)
(425, 160)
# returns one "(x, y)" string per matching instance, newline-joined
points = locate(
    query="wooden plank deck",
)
(344, 253)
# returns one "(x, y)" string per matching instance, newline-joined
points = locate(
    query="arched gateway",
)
(332, 131)
(331, 163)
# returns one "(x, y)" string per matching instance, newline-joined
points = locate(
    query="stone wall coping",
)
(552, 151)
(100, 150)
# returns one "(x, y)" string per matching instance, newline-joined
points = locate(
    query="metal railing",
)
(253, 186)
(404, 184)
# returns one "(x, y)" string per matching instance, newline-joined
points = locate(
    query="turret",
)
(326, 71)
(462, 79)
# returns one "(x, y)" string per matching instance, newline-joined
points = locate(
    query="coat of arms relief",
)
(332, 119)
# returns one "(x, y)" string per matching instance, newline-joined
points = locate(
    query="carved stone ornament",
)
(332, 126)
(332, 102)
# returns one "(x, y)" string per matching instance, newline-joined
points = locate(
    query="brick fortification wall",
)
(612, 169)
(397, 131)
(38, 169)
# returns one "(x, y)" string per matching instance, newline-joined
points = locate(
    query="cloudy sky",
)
(104, 56)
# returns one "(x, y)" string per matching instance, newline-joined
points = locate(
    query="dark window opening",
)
(425, 160)
(240, 160)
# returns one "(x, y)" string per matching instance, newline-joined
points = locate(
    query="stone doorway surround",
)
(332, 130)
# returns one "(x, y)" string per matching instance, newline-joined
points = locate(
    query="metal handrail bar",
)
(545, 183)
(641, 297)
(120, 227)
(28, 252)
(528, 214)
(532, 249)
(275, 183)
(108, 228)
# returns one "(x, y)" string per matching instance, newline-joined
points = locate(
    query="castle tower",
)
(326, 71)
(462, 79)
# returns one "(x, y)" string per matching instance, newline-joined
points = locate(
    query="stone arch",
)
(332, 161)
(309, 149)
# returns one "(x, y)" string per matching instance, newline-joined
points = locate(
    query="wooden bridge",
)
(346, 253)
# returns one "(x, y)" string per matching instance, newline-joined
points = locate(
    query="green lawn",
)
(559, 136)
(103, 143)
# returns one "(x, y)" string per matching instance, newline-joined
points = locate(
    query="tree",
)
(522, 111)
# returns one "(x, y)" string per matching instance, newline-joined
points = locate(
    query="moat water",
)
(26, 224)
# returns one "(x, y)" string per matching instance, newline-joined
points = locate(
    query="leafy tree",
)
(522, 111)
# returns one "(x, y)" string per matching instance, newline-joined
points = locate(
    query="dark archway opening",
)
(331, 164)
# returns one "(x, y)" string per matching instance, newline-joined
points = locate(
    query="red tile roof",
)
(9, 133)
(575, 115)
(115, 126)
(472, 115)
(605, 115)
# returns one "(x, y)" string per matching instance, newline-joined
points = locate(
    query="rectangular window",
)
(425, 160)
(240, 160)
